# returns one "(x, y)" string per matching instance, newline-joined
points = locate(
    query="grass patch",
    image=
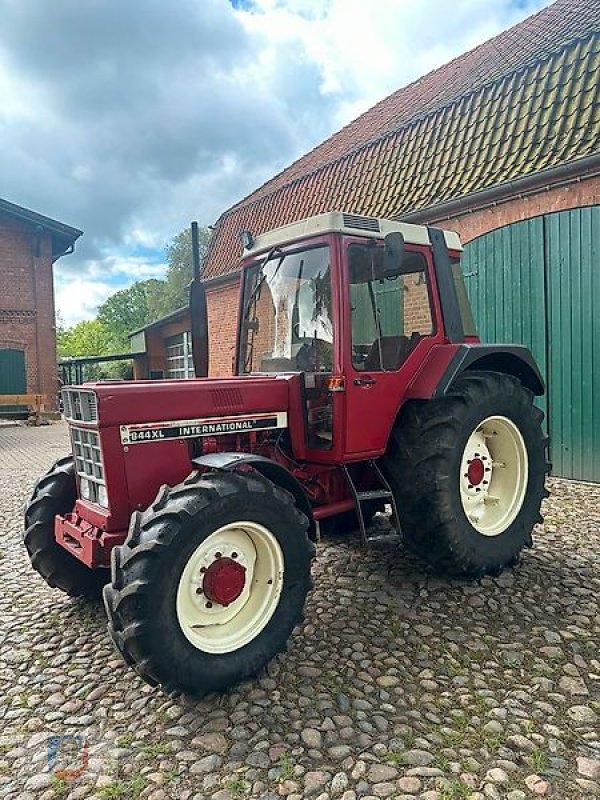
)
(456, 790)
(129, 789)
(237, 786)
(125, 740)
(442, 762)
(395, 757)
(539, 761)
(286, 767)
(60, 786)
(156, 749)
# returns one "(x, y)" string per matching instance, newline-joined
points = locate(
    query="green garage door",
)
(13, 379)
(538, 282)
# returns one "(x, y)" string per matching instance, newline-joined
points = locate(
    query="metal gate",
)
(13, 379)
(537, 282)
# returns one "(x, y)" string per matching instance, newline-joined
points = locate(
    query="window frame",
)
(426, 255)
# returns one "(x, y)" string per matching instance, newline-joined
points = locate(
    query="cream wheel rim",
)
(493, 475)
(230, 587)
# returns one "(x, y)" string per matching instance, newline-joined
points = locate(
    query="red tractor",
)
(359, 382)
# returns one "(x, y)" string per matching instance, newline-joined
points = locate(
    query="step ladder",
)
(360, 497)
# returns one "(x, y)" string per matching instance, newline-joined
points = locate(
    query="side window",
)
(390, 313)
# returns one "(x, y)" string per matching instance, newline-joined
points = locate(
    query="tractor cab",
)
(351, 303)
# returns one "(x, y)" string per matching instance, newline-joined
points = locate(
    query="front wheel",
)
(210, 582)
(468, 474)
(56, 493)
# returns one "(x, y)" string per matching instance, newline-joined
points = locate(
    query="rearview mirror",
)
(393, 253)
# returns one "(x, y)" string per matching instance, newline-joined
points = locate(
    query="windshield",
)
(287, 314)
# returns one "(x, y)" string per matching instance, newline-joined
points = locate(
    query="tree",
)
(132, 308)
(179, 269)
(91, 337)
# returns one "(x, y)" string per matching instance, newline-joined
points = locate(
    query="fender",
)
(279, 475)
(511, 359)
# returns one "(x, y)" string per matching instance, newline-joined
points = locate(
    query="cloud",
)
(78, 298)
(128, 120)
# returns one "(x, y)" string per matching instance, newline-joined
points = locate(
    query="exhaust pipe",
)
(198, 311)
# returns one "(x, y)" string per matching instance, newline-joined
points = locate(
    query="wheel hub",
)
(224, 581)
(230, 587)
(476, 471)
(493, 475)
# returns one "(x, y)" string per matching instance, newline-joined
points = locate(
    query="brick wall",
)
(222, 304)
(471, 224)
(417, 310)
(27, 303)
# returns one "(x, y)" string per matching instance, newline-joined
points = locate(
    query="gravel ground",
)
(400, 684)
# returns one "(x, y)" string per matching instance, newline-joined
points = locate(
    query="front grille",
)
(80, 405)
(88, 464)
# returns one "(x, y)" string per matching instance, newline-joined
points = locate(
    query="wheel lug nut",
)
(234, 555)
(209, 604)
(199, 590)
(217, 555)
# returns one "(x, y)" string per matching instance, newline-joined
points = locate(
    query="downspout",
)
(35, 254)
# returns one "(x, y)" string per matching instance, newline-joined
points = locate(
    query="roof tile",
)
(540, 113)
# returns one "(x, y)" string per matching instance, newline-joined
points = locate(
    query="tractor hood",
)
(126, 403)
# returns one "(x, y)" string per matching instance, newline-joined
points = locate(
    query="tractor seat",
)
(394, 350)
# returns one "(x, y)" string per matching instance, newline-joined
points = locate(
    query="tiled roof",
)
(507, 109)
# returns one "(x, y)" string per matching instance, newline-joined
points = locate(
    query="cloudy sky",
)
(129, 118)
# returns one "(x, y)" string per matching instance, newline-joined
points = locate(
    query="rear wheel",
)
(468, 474)
(210, 582)
(56, 493)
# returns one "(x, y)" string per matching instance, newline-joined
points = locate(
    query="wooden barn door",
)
(13, 379)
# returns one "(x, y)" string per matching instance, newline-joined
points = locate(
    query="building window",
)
(179, 356)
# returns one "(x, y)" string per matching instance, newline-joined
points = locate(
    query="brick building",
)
(501, 145)
(29, 245)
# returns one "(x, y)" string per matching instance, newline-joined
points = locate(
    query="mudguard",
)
(510, 359)
(271, 470)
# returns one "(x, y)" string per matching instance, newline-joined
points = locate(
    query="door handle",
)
(364, 381)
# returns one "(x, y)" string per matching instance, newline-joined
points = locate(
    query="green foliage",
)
(60, 787)
(131, 308)
(91, 337)
(179, 269)
(127, 789)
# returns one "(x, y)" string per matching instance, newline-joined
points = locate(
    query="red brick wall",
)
(472, 224)
(222, 304)
(27, 303)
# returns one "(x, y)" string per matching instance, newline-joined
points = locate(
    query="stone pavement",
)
(400, 684)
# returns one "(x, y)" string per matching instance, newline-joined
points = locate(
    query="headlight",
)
(84, 487)
(102, 496)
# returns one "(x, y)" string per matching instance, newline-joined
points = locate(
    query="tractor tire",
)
(56, 493)
(468, 474)
(210, 582)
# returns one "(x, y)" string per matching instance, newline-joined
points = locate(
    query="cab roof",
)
(351, 224)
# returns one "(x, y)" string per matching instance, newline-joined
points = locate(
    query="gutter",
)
(504, 192)
(221, 280)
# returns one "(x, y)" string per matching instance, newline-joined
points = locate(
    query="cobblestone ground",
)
(399, 684)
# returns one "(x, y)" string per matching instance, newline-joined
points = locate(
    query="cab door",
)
(389, 326)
